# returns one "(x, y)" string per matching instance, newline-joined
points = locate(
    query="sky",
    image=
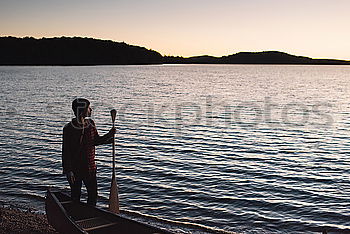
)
(313, 28)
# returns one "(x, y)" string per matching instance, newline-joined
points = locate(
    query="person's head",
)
(81, 107)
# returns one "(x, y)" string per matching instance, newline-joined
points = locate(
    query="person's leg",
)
(91, 187)
(75, 189)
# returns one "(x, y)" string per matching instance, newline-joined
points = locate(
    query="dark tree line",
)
(72, 51)
(267, 57)
(88, 51)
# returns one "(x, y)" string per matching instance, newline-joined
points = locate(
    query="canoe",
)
(67, 216)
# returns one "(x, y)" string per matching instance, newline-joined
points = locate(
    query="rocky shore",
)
(13, 220)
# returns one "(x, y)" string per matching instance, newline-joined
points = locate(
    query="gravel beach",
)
(13, 220)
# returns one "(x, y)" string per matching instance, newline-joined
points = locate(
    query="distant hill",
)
(72, 51)
(88, 51)
(266, 57)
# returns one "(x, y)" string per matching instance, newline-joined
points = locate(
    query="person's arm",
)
(66, 153)
(105, 139)
(66, 157)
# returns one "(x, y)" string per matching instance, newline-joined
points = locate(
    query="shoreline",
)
(15, 220)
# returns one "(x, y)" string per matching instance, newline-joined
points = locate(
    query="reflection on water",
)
(238, 148)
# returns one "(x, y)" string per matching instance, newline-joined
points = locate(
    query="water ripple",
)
(191, 147)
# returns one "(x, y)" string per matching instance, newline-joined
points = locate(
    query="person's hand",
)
(112, 131)
(70, 177)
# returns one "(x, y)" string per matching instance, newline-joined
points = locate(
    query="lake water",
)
(237, 148)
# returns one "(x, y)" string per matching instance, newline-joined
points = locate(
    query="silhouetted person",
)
(80, 137)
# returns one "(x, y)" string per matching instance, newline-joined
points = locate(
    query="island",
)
(265, 57)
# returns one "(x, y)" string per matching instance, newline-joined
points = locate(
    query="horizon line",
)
(165, 55)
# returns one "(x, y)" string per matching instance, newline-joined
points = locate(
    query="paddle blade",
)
(113, 114)
(113, 197)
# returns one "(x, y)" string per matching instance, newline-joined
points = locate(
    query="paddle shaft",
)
(113, 147)
(113, 195)
(113, 115)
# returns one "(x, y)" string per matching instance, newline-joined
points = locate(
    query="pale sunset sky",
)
(313, 28)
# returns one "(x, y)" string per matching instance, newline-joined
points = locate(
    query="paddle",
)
(113, 195)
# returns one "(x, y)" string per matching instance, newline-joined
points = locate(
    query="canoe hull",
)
(77, 217)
